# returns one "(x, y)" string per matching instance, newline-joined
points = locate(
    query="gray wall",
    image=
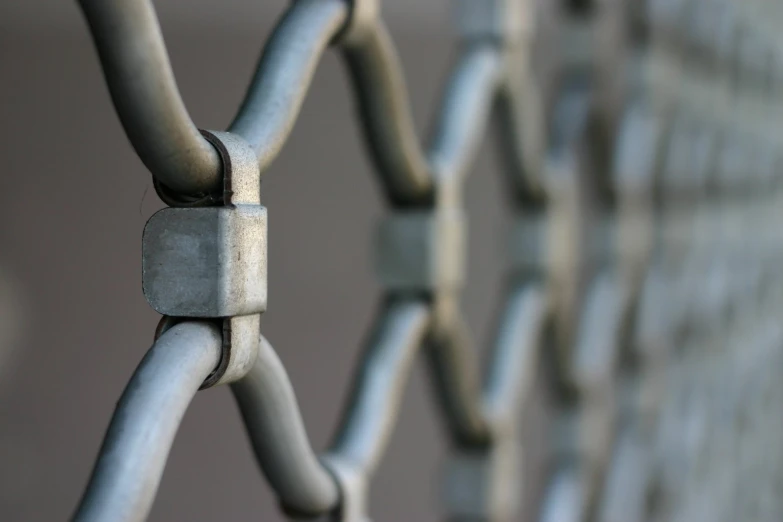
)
(74, 199)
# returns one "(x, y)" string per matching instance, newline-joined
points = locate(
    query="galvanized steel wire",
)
(612, 219)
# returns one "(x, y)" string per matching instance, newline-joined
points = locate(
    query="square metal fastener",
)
(206, 262)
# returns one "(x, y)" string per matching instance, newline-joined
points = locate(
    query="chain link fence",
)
(639, 150)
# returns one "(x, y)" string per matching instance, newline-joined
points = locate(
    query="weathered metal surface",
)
(643, 174)
(126, 476)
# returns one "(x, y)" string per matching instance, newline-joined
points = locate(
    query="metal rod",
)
(465, 111)
(137, 70)
(460, 127)
(134, 452)
(515, 355)
(284, 74)
(597, 349)
(522, 137)
(564, 500)
(378, 388)
(385, 111)
(455, 373)
(136, 66)
(274, 424)
(379, 83)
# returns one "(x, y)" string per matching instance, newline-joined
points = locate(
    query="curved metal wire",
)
(271, 414)
(146, 96)
(565, 498)
(474, 422)
(284, 74)
(522, 136)
(131, 461)
(274, 424)
(465, 110)
(377, 390)
(596, 363)
(407, 170)
(515, 355)
(144, 91)
(140, 79)
(482, 483)
(385, 112)
(455, 373)
(460, 126)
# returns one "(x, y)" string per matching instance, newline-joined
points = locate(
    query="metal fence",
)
(642, 268)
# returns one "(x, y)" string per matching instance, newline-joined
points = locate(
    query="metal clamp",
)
(485, 484)
(210, 262)
(421, 251)
(500, 20)
(528, 247)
